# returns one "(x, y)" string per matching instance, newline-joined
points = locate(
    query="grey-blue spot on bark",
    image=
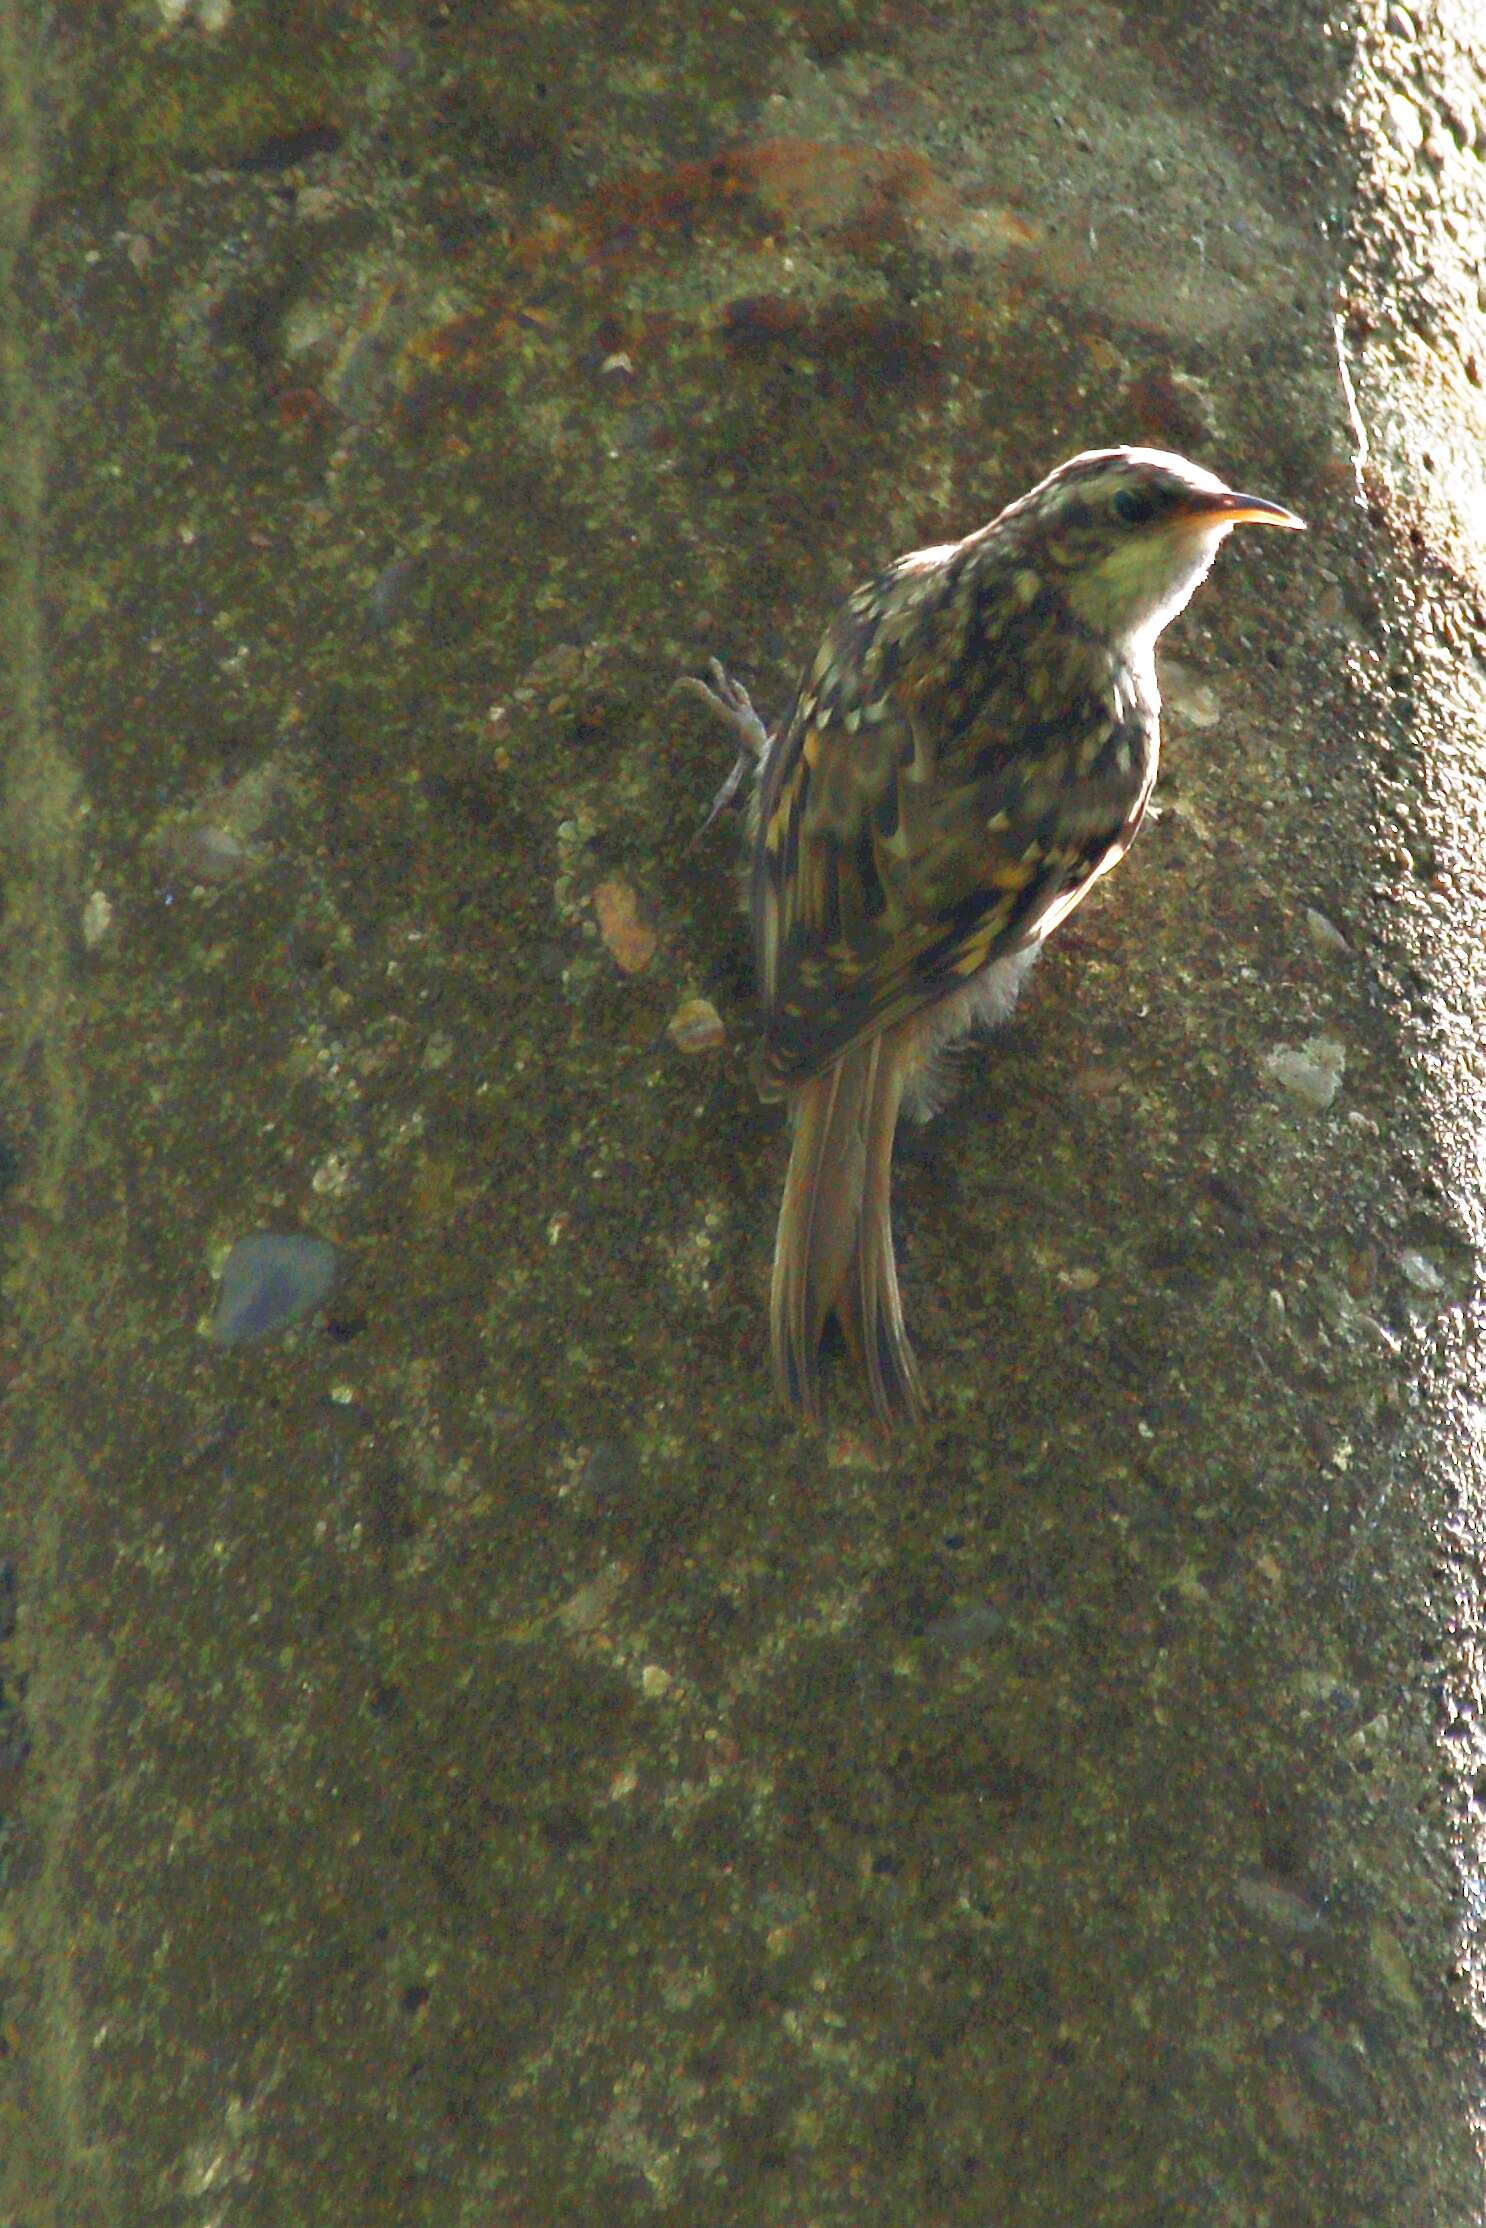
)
(269, 1281)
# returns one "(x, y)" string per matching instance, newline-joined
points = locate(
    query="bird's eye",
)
(1132, 508)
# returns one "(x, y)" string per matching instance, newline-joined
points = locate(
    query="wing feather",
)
(941, 794)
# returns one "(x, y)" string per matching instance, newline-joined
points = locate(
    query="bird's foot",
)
(732, 704)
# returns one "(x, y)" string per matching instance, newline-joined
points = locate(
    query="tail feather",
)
(871, 1308)
(834, 1251)
(817, 1223)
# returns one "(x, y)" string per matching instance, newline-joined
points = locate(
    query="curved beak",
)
(1230, 509)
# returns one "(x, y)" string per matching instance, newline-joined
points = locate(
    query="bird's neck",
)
(1140, 588)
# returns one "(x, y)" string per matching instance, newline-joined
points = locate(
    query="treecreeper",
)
(972, 746)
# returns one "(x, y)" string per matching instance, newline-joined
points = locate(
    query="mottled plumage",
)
(973, 744)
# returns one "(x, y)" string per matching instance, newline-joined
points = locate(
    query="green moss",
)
(152, 102)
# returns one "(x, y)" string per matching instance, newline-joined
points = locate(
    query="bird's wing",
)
(956, 771)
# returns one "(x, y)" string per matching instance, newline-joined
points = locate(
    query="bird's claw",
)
(733, 705)
(729, 700)
(729, 797)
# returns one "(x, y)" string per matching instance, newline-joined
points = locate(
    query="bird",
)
(972, 747)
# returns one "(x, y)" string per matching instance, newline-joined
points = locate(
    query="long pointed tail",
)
(834, 1250)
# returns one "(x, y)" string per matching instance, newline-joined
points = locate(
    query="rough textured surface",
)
(469, 1762)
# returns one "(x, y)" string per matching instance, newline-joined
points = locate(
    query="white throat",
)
(1145, 582)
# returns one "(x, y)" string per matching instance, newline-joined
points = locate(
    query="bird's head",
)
(1127, 534)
